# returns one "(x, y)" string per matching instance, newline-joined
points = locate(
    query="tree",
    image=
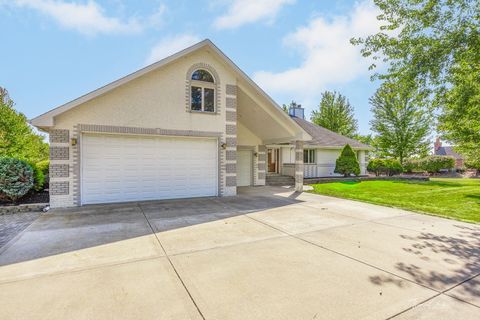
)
(459, 121)
(17, 138)
(401, 122)
(347, 162)
(435, 44)
(336, 114)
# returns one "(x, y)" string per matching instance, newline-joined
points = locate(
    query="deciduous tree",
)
(17, 137)
(401, 121)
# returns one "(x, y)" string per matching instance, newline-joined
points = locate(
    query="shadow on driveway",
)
(67, 230)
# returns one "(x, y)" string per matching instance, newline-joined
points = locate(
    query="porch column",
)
(299, 166)
(361, 160)
(261, 166)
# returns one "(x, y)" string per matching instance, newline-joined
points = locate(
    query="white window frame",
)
(204, 85)
(310, 156)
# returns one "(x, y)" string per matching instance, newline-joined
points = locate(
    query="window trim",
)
(189, 82)
(204, 85)
(310, 156)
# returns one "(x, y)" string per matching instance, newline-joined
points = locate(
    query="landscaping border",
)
(27, 207)
(363, 178)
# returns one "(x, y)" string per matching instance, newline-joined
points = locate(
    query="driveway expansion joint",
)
(172, 265)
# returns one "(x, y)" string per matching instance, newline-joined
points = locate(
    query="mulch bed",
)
(31, 197)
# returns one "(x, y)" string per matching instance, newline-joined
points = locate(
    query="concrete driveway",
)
(268, 253)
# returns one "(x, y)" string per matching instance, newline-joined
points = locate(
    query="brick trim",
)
(231, 103)
(59, 153)
(59, 170)
(231, 181)
(58, 188)
(59, 136)
(231, 116)
(231, 168)
(231, 90)
(145, 131)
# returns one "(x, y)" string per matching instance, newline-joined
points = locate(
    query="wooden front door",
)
(272, 160)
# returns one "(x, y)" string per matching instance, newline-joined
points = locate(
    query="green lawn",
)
(452, 198)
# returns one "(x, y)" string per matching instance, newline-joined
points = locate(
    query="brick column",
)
(60, 178)
(261, 165)
(299, 166)
(230, 161)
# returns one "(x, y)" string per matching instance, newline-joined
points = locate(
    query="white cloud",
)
(88, 18)
(243, 12)
(328, 57)
(171, 45)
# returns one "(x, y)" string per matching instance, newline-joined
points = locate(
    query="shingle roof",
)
(447, 151)
(325, 138)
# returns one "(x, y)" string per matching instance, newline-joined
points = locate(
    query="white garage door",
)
(119, 168)
(244, 167)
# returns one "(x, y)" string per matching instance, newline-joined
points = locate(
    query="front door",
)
(273, 160)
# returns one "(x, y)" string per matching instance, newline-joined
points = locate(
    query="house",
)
(440, 150)
(320, 153)
(190, 125)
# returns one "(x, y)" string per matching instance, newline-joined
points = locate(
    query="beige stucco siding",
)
(245, 137)
(155, 100)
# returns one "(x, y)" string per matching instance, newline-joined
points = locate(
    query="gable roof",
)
(447, 151)
(46, 120)
(322, 137)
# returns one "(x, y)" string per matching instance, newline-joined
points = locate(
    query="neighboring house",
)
(190, 125)
(439, 150)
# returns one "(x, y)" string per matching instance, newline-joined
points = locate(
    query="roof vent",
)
(296, 111)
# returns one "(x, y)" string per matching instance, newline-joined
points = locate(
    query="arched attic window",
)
(202, 91)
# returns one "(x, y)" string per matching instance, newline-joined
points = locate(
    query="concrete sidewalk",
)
(268, 253)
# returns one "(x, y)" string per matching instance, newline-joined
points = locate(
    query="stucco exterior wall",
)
(245, 137)
(156, 101)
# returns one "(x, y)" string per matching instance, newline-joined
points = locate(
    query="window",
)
(202, 75)
(202, 91)
(309, 156)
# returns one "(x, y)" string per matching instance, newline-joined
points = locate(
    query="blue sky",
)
(56, 50)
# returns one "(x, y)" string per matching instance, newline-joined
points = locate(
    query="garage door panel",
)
(128, 168)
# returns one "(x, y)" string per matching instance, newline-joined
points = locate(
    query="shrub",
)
(38, 177)
(393, 167)
(387, 167)
(347, 163)
(433, 164)
(16, 178)
(376, 166)
(43, 166)
(411, 165)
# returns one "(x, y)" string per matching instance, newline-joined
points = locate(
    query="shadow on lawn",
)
(432, 183)
(460, 256)
(473, 196)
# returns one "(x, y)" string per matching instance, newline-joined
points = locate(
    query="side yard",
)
(452, 198)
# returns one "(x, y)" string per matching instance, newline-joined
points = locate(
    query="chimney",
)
(296, 111)
(437, 144)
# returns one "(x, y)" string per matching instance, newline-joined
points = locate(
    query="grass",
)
(451, 198)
